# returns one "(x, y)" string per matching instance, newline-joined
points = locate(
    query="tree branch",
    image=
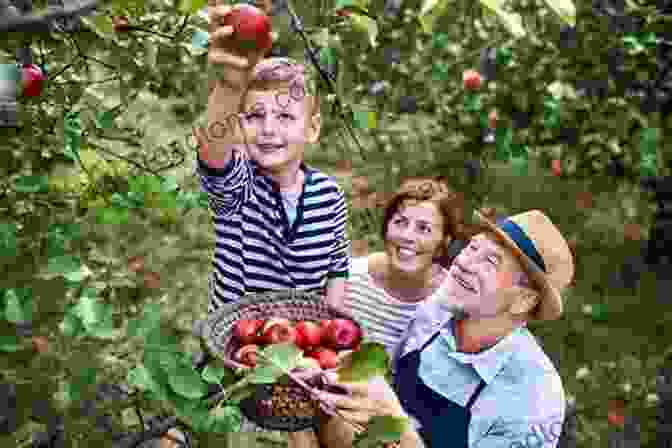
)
(40, 23)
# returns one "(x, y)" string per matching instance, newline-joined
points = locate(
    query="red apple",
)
(279, 333)
(247, 355)
(471, 80)
(252, 28)
(327, 358)
(308, 334)
(32, 80)
(247, 329)
(342, 334)
(120, 24)
(152, 280)
(136, 264)
(40, 344)
(492, 119)
(274, 320)
(556, 167)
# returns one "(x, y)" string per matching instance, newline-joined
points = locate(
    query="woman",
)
(420, 221)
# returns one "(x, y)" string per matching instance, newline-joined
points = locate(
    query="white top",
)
(383, 317)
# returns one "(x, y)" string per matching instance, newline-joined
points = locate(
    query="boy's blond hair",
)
(295, 81)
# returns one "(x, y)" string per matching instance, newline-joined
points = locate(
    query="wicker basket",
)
(295, 305)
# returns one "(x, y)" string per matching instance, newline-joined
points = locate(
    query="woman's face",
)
(414, 237)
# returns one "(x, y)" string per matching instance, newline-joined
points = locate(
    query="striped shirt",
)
(382, 317)
(256, 248)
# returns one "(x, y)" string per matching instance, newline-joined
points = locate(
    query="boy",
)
(279, 223)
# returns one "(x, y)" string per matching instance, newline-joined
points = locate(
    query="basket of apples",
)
(239, 332)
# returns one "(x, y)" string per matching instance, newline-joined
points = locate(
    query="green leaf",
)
(8, 240)
(10, 343)
(186, 381)
(214, 374)
(565, 9)
(31, 184)
(104, 329)
(503, 56)
(472, 102)
(369, 361)
(511, 21)
(241, 394)
(519, 165)
(648, 141)
(192, 6)
(105, 120)
(383, 429)
(67, 266)
(430, 11)
(17, 308)
(225, 419)
(72, 134)
(71, 325)
(90, 310)
(143, 325)
(275, 361)
(440, 71)
(366, 25)
(364, 119)
(440, 41)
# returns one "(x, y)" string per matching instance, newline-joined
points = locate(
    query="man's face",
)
(277, 127)
(414, 234)
(479, 276)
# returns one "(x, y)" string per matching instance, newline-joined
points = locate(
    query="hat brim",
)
(550, 300)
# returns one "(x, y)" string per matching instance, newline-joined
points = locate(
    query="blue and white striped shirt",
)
(256, 248)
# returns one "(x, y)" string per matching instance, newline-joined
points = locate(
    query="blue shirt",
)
(523, 402)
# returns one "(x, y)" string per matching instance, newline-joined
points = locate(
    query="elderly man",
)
(478, 379)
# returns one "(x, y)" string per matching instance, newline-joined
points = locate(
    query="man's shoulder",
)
(531, 370)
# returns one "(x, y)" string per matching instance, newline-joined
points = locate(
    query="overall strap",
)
(476, 393)
(438, 332)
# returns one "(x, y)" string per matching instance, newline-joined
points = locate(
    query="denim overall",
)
(444, 423)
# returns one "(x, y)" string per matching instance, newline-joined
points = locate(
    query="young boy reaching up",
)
(279, 224)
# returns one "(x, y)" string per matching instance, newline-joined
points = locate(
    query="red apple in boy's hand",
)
(246, 330)
(327, 358)
(247, 355)
(252, 28)
(342, 334)
(471, 80)
(32, 80)
(308, 334)
(279, 333)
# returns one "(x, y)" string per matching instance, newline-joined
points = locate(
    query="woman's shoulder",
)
(369, 264)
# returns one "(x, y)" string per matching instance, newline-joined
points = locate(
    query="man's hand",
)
(365, 400)
(223, 51)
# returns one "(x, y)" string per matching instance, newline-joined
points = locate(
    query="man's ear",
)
(525, 301)
(313, 128)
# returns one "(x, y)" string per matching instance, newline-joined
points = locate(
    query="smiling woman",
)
(385, 288)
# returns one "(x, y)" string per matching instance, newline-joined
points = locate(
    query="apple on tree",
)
(32, 80)
(471, 80)
(252, 28)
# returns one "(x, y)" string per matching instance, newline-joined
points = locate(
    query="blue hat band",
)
(525, 244)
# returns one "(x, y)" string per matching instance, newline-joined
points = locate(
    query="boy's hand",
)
(236, 66)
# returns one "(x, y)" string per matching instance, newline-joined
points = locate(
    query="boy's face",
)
(277, 127)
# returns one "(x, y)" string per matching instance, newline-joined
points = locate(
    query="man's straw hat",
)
(543, 252)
